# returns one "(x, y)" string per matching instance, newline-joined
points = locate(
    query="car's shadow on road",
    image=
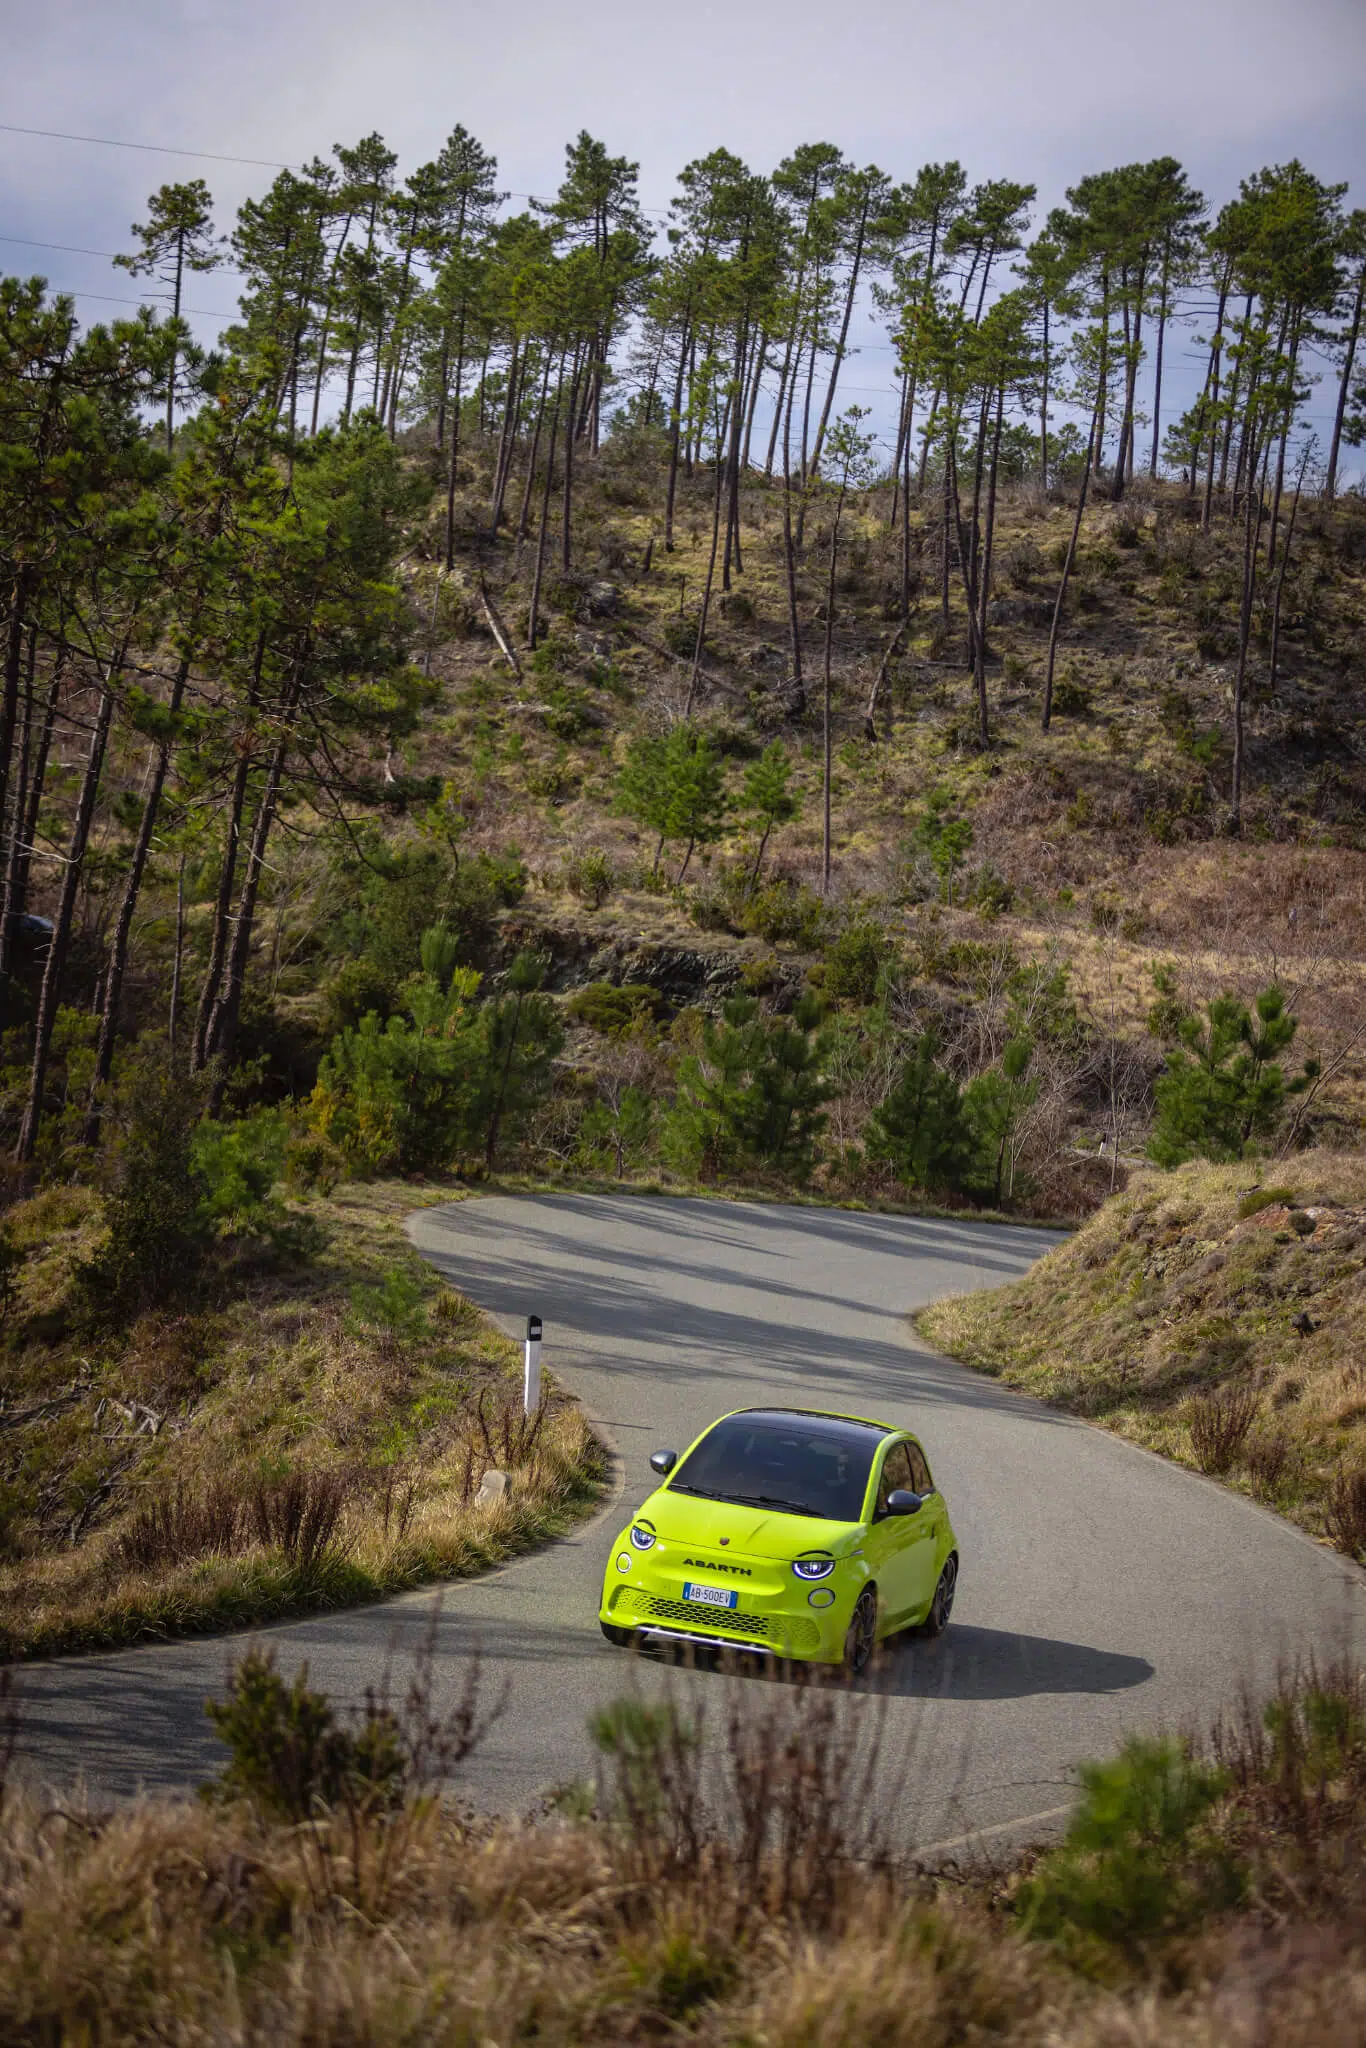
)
(967, 1664)
(972, 1663)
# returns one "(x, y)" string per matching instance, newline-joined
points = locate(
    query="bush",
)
(919, 1127)
(300, 1514)
(312, 1165)
(854, 963)
(288, 1756)
(1223, 1087)
(1022, 563)
(357, 988)
(239, 1166)
(1071, 698)
(1267, 1460)
(1265, 1198)
(176, 1528)
(157, 1225)
(1133, 1866)
(680, 635)
(590, 876)
(1344, 1513)
(1219, 1424)
(401, 895)
(614, 1009)
(783, 910)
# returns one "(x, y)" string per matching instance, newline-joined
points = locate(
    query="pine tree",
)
(920, 1128)
(768, 799)
(176, 237)
(1224, 1086)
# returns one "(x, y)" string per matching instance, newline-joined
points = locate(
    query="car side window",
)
(896, 1471)
(920, 1471)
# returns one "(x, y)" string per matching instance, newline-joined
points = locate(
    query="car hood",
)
(757, 1532)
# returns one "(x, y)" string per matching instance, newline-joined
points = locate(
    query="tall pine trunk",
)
(1330, 482)
(72, 873)
(1069, 559)
(843, 341)
(222, 1034)
(123, 923)
(539, 569)
(675, 434)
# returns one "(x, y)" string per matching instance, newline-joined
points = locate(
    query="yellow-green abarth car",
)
(787, 1532)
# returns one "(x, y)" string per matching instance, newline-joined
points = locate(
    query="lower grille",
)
(787, 1631)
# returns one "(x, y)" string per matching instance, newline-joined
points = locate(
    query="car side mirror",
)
(663, 1463)
(901, 1501)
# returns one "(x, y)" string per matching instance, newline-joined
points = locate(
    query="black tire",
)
(619, 1638)
(862, 1634)
(941, 1607)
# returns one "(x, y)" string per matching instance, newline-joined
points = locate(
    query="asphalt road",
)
(1103, 1591)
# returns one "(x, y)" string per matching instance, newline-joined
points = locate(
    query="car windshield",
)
(794, 1464)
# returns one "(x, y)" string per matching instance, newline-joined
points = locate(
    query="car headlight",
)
(643, 1539)
(814, 1567)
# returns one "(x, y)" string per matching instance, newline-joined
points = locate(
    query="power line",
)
(110, 299)
(70, 249)
(209, 156)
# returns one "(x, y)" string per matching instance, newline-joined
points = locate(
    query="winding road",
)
(1103, 1590)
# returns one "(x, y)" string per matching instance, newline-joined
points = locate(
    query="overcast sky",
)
(1039, 90)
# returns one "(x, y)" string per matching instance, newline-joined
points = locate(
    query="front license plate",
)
(712, 1596)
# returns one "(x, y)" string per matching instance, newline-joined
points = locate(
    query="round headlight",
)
(643, 1539)
(813, 1567)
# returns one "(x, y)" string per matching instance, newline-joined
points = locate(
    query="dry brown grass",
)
(1169, 1313)
(280, 1448)
(386, 1922)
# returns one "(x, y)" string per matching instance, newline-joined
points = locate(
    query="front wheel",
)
(619, 1638)
(862, 1634)
(941, 1607)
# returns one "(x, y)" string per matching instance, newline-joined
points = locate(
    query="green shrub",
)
(1072, 698)
(1224, 1088)
(357, 988)
(989, 892)
(569, 714)
(784, 910)
(240, 1165)
(312, 1165)
(1265, 1198)
(854, 962)
(680, 634)
(920, 1128)
(613, 1009)
(590, 876)
(288, 1757)
(158, 1229)
(1135, 1864)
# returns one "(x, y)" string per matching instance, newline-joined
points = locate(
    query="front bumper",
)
(778, 1623)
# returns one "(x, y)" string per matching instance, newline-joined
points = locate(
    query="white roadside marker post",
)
(531, 1391)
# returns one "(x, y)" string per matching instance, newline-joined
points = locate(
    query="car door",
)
(931, 1519)
(894, 1546)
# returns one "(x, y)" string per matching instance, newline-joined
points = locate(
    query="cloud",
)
(1043, 91)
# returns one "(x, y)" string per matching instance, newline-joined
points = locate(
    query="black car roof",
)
(841, 1428)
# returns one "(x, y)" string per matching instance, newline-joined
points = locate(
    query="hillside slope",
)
(1215, 1314)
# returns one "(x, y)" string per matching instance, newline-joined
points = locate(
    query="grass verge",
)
(742, 1892)
(1216, 1314)
(314, 1432)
